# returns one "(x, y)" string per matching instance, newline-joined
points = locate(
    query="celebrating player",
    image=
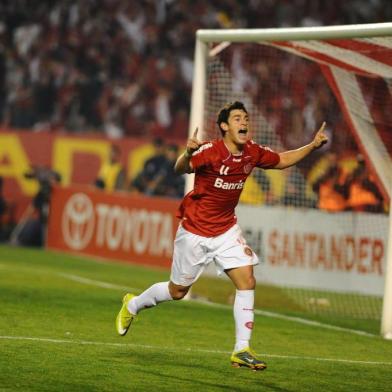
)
(208, 231)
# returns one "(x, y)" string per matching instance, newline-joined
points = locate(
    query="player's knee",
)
(178, 293)
(250, 282)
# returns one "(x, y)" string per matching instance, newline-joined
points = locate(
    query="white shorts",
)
(192, 253)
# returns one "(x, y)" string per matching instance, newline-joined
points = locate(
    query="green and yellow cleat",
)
(124, 317)
(247, 358)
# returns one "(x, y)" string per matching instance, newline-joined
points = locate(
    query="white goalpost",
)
(354, 249)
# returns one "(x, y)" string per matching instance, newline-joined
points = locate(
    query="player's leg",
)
(186, 268)
(177, 291)
(132, 304)
(243, 309)
(157, 293)
(154, 295)
(236, 259)
(244, 282)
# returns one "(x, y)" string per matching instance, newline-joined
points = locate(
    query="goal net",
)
(321, 227)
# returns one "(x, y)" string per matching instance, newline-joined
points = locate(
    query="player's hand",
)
(193, 143)
(320, 138)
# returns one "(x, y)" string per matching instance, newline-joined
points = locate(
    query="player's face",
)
(238, 127)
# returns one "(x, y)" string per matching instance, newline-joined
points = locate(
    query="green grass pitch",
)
(57, 333)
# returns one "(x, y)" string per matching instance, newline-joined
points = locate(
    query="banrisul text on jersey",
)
(208, 210)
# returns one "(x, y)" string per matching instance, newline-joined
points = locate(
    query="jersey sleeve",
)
(267, 158)
(202, 157)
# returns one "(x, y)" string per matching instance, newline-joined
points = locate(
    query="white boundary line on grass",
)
(107, 285)
(132, 345)
(98, 283)
(294, 319)
(265, 313)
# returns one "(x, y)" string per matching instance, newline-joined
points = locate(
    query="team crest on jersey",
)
(247, 168)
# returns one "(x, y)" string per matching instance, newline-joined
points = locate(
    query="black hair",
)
(224, 113)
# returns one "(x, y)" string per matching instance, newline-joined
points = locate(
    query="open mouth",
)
(243, 131)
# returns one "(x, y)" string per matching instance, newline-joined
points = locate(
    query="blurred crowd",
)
(157, 177)
(125, 67)
(335, 183)
(356, 190)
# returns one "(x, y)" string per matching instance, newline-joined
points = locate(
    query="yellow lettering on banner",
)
(65, 148)
(11, 150)
(252, 193)
(277, 180)
(138, 157)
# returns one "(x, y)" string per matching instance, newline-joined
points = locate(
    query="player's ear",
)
(224, 126)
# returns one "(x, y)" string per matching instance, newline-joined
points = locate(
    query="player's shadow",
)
(192, 382)
(257, 382)
(177, 370)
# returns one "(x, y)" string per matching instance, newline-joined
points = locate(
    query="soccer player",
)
(208, 231)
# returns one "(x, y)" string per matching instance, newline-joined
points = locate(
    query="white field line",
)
(97, 283)
(300, 320)
(161, 348)
(106, 285)
(292, 318)
(80, 279)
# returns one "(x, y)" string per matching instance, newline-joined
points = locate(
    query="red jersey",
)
(208, 210)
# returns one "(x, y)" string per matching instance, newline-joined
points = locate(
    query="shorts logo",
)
(248, 251)
(249, 324)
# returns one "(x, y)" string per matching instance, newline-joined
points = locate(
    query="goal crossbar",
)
(295, 33)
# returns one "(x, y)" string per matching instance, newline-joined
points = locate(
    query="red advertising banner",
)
(136, 229)
(77, 158)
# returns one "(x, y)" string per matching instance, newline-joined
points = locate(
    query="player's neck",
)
(234, 148)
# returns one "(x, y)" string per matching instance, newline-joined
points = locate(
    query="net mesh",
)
(289, 89)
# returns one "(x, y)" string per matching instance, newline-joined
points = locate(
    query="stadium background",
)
(76, 77)
(111, 70)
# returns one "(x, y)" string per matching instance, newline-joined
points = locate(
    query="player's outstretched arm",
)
(290, 158)
(183, 163)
